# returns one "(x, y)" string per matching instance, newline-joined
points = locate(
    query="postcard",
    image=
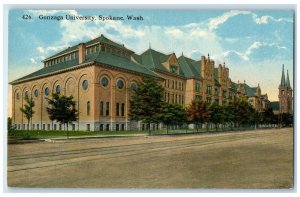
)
(151, 99)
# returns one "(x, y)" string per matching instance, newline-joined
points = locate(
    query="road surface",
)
(248, 159)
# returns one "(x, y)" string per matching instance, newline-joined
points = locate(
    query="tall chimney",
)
(81, 52)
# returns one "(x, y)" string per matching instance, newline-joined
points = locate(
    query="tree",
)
(10, 128)
(197, 112)
(172, 114)
(146, 102)
(228, 114)
(215, 114)
(62, 109)
(27, 110)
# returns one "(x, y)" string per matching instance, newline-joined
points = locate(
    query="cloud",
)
(174, 32)
(253, 53)
(33, 60)
(214, 23)
(265, 19)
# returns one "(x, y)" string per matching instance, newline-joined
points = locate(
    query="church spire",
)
(287, 79)
(282, 84)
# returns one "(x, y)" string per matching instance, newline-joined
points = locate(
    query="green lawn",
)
(35, 134)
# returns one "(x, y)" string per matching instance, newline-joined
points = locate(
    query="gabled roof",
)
(189, 67)
(153, 59)
(250, 91)
(274, 105)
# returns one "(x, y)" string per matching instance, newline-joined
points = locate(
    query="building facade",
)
(102, 75)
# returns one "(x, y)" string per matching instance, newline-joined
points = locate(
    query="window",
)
(123, 127)
(33, 126)
(197, 87)
(101, 108)
(47, 91)
(48, 127)
(120, 84)
(104, 81)
(54, 127)
(107, 108)
(107, 127)
(123, 109)
(173, 68)
(85, 84)
(88, 127)
(18, 96)
(36, 93)
(26, 94)
(101, 127)
(38, 127)
(58, 89)
(73, 127)
(44, 127)
(133, 86)
(117, 109)
(208, 89)
(88, 108)
(117, 127)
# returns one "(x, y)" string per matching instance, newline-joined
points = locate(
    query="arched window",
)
(46, 91)
(58, 89)
(18, 96)
(26, 94)
(36, 93)
(88, 108)
(85, 84)
(133, 86)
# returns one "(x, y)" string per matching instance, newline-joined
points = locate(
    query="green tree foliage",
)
(172, 114)
(216, 115)
(146, 103)
(27, 110)
(197, 112)
(10, 128)
(62, 109)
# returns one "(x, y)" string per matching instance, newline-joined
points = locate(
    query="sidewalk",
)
(83, 137)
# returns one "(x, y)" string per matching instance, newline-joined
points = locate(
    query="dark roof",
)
(152, 59)
(101, 39)
(234, 86)
(123, 63)
(188, 67)
(274, 105)
(250, 91)
(114, 60)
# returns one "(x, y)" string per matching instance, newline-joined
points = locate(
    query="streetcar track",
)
(141, 150)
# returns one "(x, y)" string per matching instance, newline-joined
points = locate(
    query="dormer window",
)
(173, 68)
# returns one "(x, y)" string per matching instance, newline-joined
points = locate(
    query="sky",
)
(253, 43)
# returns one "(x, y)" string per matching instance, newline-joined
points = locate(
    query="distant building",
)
(102, 75)
(285, 95)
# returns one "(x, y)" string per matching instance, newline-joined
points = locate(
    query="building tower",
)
(285, 94)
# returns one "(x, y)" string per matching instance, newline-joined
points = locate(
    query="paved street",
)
(249, 159)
